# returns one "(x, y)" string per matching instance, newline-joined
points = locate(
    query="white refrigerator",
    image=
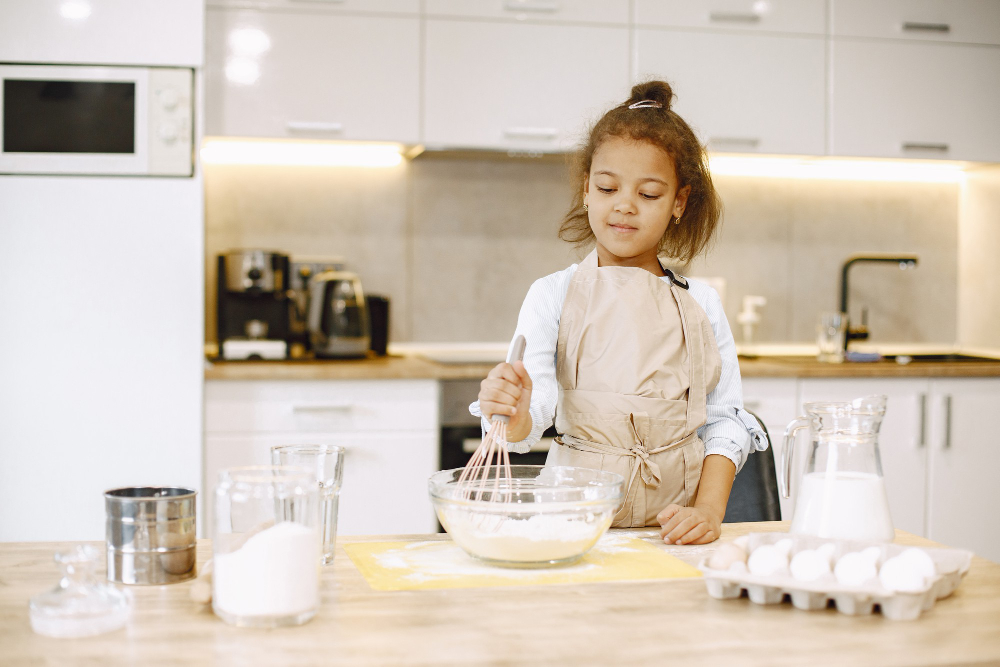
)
(101, 292)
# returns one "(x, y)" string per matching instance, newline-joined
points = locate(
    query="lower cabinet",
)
(389, 429)
(963, 492)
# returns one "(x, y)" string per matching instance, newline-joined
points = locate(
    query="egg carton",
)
(950, 566)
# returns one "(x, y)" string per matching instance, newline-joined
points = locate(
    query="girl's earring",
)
(585, 207)
(678, 220)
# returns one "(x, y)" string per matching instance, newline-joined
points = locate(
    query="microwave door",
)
(74, 120)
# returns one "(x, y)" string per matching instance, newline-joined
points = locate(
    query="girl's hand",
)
(507, 391)
(688, 525)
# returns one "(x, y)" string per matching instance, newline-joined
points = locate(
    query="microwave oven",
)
(115, 121)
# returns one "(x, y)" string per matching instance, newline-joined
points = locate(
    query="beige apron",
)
(636, 359)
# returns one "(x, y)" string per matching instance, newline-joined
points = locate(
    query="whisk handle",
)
(516, 354)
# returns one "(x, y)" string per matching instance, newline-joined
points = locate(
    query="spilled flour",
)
(429, 561)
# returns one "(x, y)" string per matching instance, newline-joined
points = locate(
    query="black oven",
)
(461, 432)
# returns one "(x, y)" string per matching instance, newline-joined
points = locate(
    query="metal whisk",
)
(489, 467)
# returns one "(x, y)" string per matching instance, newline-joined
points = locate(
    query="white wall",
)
(978, 252)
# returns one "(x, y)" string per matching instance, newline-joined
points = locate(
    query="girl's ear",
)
(680, 200)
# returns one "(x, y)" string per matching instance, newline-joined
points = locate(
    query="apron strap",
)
(695, 346)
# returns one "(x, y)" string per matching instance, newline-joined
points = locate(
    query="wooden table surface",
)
(621, 623)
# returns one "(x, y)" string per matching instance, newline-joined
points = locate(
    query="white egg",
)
(743, 542)
(872, 553)
(901, 575)
(725, 555)
(785, 546)
(854, 569)
(739, 567)
(766, 560)
(809, 565)
(920, 559)
(828, 550)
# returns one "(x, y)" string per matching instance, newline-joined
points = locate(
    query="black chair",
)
(755, 490)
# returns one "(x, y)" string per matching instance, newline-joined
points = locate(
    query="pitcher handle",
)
(785, 478)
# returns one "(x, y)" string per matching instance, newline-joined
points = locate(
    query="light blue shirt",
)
(728, 430)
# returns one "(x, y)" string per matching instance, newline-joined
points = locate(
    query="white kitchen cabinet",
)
(604, 12)
(389, 428)
(964, 493)
(742, 93)
(789, 16)
(775, 402)
(971, 21)
(366, 6)
(311, 75)
(519, 86)
(914, 100)
(902, 439)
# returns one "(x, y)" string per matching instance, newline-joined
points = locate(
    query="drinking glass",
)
(327, 464)
(830, 333)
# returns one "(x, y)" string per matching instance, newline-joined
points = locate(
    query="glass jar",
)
(266, 546)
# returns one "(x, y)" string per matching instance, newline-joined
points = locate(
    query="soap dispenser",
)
(749, 317)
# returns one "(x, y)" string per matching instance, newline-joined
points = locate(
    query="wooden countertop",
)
(412, 367)
(630, 623)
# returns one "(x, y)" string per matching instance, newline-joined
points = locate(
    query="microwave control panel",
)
(171, 121)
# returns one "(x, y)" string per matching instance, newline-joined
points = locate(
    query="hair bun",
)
(658, 91)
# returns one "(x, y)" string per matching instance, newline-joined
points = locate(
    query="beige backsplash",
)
(455, 243)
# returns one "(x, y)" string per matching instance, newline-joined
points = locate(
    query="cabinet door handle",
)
(947, 421)
(531, 132)
(313, 126)
(331, 407)
(748, 142)
(540, 7)
(918, 26)
(923, 422)
(924, 146)
(734, 17)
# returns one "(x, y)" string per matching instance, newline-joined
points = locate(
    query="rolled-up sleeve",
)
(729, 430)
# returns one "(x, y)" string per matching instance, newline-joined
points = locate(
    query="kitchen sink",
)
(938, 358)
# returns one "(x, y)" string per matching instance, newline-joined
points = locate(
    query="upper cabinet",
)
(519, 86)
(317, 75)
(746, 93)
(971, 21)
(602, 12)
(914, 100)
(785, 16)
(411, 7)
(893, 78)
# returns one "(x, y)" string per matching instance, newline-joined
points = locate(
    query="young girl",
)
(637, 365)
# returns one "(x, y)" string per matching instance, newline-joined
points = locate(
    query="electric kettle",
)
(841, 493)
(338, 319)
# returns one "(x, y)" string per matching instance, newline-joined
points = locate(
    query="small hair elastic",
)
(646, 104)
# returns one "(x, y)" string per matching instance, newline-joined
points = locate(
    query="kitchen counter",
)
(417, 367)
(671, 621)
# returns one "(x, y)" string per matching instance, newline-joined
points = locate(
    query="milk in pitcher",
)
(843, 505)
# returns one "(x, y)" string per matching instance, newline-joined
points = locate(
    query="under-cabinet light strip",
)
(840, 169)
(301, 153)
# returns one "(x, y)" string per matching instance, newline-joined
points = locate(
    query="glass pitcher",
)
(841, 493)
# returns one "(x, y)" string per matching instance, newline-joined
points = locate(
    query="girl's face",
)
(632, 194)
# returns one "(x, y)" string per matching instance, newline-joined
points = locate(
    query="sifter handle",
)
(516, 354)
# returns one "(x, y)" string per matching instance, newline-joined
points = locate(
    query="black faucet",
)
(861, 332)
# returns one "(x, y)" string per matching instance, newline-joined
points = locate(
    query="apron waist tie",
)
(647, 469)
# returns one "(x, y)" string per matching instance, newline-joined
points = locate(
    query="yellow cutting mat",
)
(399, 566)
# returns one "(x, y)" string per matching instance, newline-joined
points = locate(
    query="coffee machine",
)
(253, 318)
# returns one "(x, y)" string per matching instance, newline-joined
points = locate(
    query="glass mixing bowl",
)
(540, 516)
